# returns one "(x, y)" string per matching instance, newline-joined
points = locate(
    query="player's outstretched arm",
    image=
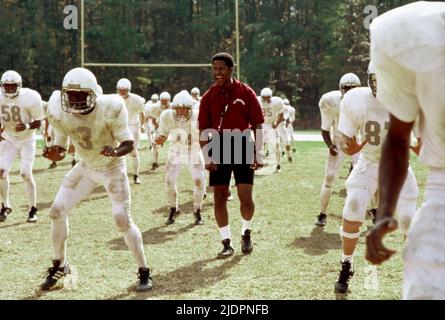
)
(393, 169)
(33, 125)
(125, 148)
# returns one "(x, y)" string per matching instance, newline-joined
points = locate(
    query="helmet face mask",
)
(124, 93)
(78, 101)
(11, 83)
(182, 113)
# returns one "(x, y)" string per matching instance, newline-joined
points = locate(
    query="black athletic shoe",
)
(198, 218)
(53, 165)
(145, 280)
(283, 153)
(346, 273)
(55, 273)
(136, 179)
(227, 250)
(289, 159)
(32, 215)
(173, 214)
(294, 150)
(4, 212)
(278, 168)
(321, 220)
(373, 214)
(246, 243)
(154, 166)
(73, 163)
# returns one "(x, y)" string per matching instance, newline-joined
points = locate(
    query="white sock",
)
(4, 191)
(133, 239)
(59, 234)
(347, 257)
(246, 225)
(225, 232)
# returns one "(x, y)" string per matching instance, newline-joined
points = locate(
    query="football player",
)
(283, 133)
(181, 122)
(408, 49)
(148, 125)
(360, 112)
(21, 114)
(196, 94)
(154, 113)
(290, 123)
(330, 111)
(98, 127)
(273, 116)
(135, 106)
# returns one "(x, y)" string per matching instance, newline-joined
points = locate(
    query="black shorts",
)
(221, 176)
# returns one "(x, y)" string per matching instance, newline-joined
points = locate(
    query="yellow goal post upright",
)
(154, 65)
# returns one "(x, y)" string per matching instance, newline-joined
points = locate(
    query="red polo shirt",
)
(240, 102)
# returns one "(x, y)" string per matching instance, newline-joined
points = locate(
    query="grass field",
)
(292, 258)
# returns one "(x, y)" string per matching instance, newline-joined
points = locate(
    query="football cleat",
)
(172, 216)
(227, 251)
(32, 215)
(321, 220)
(346, 273)
(53, 165)
(73, 163)
(246, 243)
(145, 280)
(294, 150)
(230, 197)
(154, 166)
(55, 273)
(4, 212)
(278, 168)
(198, 218)
(289, 159)
(373, 215)
(283, 153)
(136, 179)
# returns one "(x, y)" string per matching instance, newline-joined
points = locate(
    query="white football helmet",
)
(182, 100)
(372, 78)
(125, 85)
(154, 98)
(286, 102)
(266, 92)
(195, 90)
(11, 78)
(348, 81)
(79, 91)
(165, 96)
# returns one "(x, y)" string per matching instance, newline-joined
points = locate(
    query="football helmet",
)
(79, 91)
(165, 96)
(195, 91)
(286, 102)
(266, 92)
(123, 87)
(11, 83)
(372, 79)
(182, 106)
(348, 81)
(154, 98)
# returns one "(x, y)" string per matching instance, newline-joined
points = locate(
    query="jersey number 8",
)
(372, 130)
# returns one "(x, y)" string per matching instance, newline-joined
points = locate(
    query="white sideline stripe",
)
(297, 136)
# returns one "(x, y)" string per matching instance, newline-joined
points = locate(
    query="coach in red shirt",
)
(229, 112)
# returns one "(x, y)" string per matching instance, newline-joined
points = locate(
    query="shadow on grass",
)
(318, 243)
(12, 225)
(152, 236)
(341, 193)
(185, 208)
(184, 280)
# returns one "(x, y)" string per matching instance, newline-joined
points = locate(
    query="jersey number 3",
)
(11, 113)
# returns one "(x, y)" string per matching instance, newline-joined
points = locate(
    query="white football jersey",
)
(135, 106)
(156, 109)
(361, 113)
(291, 114)
(106, 125)
(26, 108)
(330, 111)
(408, 50)
(271, 110)
(184, 133)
